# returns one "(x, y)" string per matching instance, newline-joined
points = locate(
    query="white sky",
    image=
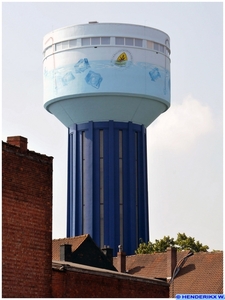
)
(184, 144)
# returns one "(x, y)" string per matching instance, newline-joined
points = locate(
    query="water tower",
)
(106, 83)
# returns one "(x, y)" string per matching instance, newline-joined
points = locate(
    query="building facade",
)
(26, 221)
(71, 280)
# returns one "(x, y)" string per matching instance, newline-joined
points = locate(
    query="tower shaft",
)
(107, 183)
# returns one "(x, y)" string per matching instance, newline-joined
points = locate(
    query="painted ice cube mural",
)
(81, 65)
(67, 78)
(93, 79)
(154, 74)
(87, 75)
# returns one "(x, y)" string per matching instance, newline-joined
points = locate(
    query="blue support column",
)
(87, 185)
(111, 185)
(144, 187)
(96, 187)
(116, 193)
(108, 202)
(71, 217)
(126, 187)
(132, 187)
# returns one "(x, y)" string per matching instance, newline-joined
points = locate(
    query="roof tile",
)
(201, 272)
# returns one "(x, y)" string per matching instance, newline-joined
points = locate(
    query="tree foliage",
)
(182, 242)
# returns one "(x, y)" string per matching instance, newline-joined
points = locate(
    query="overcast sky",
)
(184, 144)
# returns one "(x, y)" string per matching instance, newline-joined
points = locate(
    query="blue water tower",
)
(106, 83)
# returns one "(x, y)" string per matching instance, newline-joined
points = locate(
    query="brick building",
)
(26, 221)
(70, 280)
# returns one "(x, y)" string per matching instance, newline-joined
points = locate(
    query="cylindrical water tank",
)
(104, 71)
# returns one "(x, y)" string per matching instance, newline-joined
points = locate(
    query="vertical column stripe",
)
(106, 185)
(96, 186)
(87, 175)
(79, 194)
(111, 184)
(145, 184)
(69, 184)
(132, 187)
(136, 185)
(101, 208)
(121, 186)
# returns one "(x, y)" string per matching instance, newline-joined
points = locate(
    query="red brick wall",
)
(26, 223)
(71, 284)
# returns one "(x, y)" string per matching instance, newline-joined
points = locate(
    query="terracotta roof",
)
(74, 241)
(201, 272)
(149, 265)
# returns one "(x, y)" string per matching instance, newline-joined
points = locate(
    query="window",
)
(72, 43)
(138, 43)
(65, 45)
(129, 41)
(58, 46)
(85, 41)
(156, 46)
(95, 40)
(150, 45)
(119, 41)
(105, 40)
(161, 48)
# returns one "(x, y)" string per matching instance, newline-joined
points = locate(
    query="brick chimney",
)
(65, 252)
(171, 260)
(121, 256)
(18, 141)
(108, 253)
